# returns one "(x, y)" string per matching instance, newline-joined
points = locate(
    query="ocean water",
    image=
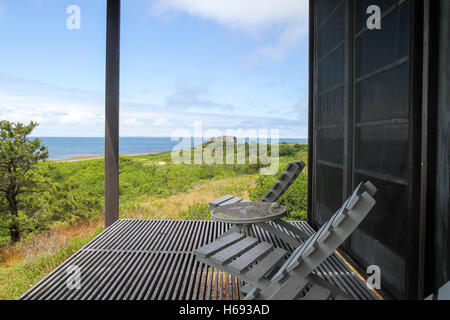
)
(63, 148)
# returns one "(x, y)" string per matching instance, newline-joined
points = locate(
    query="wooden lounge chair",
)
(442, 294)
(292, 171)
(267, 272)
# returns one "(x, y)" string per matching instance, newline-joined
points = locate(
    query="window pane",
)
(324, 8)
(382, 237)
(330, 108)
(330, 145)
(362, 5)
(384, 96)
(378, 48)
(383, 150)
(331, 33)
(328, 192)
(331, 70)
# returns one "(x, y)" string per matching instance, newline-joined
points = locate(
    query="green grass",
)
(198, 211)
(77, 189)
(17, 279)
(295, 198)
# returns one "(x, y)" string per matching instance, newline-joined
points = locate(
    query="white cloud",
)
(160, 123)
(59, 111)
(68, 112)
(286, 42)
(131, 122)
(252, 16)
(188, 97)
(240, 14)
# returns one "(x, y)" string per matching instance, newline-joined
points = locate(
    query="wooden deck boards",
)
(152, 259)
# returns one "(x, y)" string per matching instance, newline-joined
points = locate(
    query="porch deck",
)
(153, 259)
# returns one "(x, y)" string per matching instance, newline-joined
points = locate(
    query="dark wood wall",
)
(365, 111)
(442, 202)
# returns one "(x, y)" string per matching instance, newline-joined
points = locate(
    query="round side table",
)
(243, 214)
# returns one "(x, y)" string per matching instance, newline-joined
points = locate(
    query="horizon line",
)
(154, 137)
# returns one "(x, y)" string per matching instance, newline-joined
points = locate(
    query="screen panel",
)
(330, 107)
(330, 146)
(328, 116)
(324, 9)
(330, 196)
(379, 48)
(363, 130)
(381, 237)
(382, 143)
(330, 35)
(362, 5)
(331, 70)
(383, 151)
(384, 96)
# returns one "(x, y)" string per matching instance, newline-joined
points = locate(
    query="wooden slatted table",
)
(243, 214)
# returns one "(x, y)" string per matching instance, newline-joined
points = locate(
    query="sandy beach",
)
(100, 156)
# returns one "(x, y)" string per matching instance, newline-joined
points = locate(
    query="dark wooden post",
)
(112, 112)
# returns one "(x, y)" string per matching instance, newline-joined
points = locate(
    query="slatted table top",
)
(153, 259)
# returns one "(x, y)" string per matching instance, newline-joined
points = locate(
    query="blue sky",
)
(229, 64)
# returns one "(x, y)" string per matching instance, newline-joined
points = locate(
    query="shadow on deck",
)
(153, 259)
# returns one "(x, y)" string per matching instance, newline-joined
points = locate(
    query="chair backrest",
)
(443, 293)
(291, 173)
(332, 234)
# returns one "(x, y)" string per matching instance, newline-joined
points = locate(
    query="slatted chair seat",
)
(267, 271)
(242, 255)
(253, 263)
(219, 244)
(252, 255)
(227, 254)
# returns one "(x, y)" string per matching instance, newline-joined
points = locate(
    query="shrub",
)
(295, 198)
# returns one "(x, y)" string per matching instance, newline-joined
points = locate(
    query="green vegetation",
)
(295, 198)
(18, 278)
(76, 189)
(198, 211)
(21, 179)
(151, 186)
